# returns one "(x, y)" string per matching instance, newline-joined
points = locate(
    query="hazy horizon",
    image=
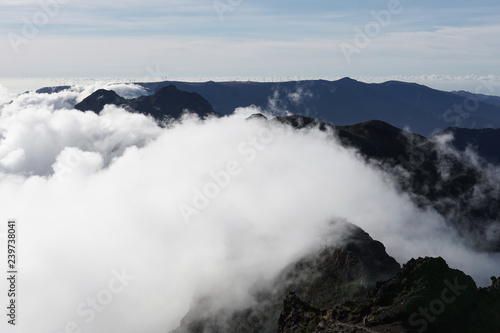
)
(472, 83)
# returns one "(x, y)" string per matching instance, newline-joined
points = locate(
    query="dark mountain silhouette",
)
(424, 296)
(483, 141)
(432, 176)
(347, 101)
(97, 100)
(167, 102)
(51, 90)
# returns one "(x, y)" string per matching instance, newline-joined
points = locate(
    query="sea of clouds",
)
(121, 222)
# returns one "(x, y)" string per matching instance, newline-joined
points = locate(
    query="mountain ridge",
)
(346, 101)
(422, 109)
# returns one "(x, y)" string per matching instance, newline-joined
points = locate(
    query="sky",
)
(239, 39)
(97, 195)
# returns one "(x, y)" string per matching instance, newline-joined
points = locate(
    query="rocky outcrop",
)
(325, 278)
(424, 296)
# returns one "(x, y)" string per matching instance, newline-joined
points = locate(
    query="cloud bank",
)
(104, 245)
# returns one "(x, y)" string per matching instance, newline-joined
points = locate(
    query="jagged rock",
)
(324, 278)
(297, 315)
(424, 296)
(334, 274)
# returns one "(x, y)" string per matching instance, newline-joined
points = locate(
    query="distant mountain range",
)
(420, 109)
(345, 102)
(350, 96)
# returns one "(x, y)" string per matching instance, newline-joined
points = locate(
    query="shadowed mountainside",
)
(424, 296)
(326, 278)
(432, 175)
(167, 102)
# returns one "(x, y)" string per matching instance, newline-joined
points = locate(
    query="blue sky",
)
(242, 38)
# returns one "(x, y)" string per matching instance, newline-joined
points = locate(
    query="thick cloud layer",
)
(122, 222)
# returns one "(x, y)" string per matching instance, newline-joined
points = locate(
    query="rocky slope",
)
(324, 278)
(424, 296)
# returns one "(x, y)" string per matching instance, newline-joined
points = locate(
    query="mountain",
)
(483, 141)
(424, 296)
(99, 99)
(326, 277)
(356, 287)
(167, 102)
(51, 90)
(433, 176)
(347, 101)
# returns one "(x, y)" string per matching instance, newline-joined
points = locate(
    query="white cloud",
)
(117, 206)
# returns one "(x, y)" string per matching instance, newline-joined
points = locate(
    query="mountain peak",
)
(168, 101)
(347, 79)
(98, 99)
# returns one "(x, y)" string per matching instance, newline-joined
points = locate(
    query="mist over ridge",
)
(107, 189)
